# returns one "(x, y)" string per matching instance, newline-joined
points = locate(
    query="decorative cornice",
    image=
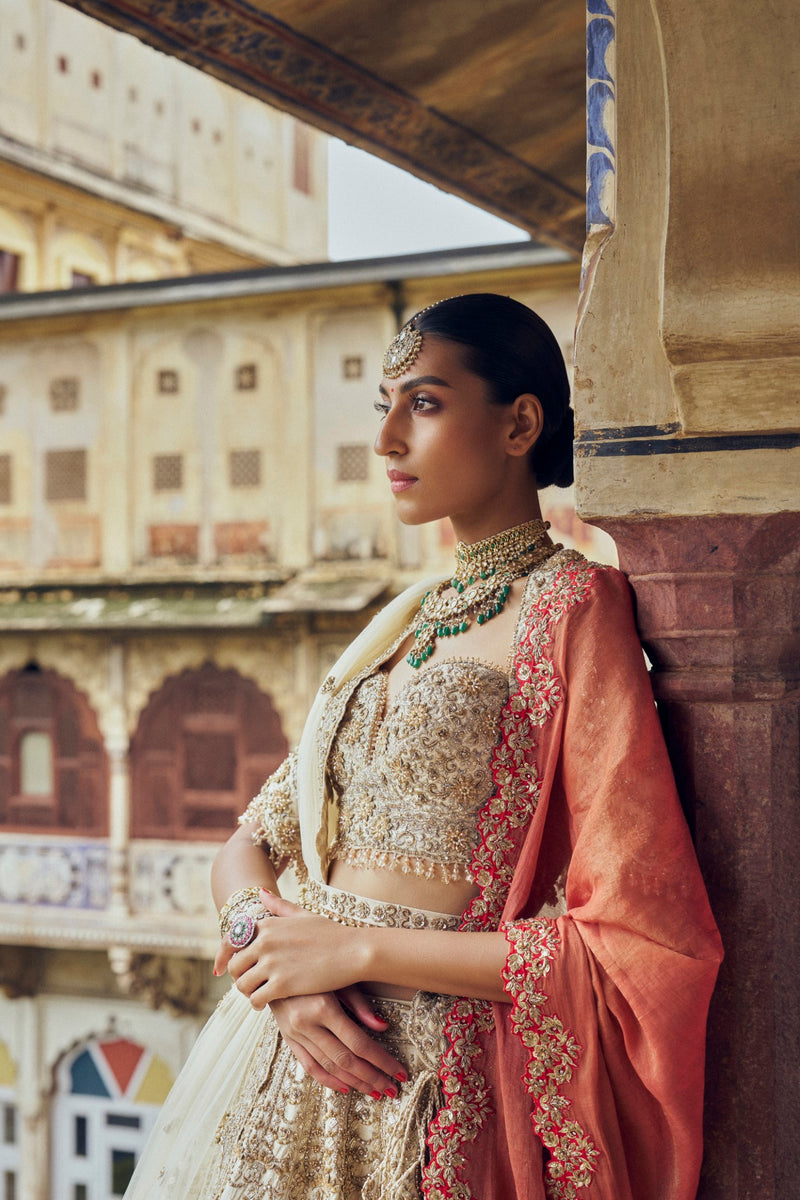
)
(252, 51)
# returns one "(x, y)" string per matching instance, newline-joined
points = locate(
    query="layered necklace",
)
(480, 586)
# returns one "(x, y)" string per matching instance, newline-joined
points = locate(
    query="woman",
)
(496, 982)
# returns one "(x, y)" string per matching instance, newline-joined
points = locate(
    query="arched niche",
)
(53, 764)
(204, 744)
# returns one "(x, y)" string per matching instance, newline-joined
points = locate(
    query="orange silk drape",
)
(589, 1084)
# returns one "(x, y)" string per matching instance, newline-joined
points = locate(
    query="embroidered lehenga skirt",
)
(244, 1121)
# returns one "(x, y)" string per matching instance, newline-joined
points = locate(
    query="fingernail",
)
(401, 1077)
(215, 970)
(375, 1095)
(345, 1091)
(391, 1092)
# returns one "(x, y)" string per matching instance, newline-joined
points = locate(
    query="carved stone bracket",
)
(176, 985)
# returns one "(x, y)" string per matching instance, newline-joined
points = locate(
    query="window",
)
(6, 493)
(244, 468)
(196, 126)
(108, 1092)
(65, 475)
(64, 394)
(19, 41)
(96, 79)
(352, 463)
(36, 764)
(205, 743)
(167, 472)
(301, 172)
(62, 62)
(352, 366)
(9, 1125)
(9, 271)
(167, 382)
(246, 377)
(79, 279)
(53, 766)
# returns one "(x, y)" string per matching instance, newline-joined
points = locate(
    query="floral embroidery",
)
(274, 810)
(552, 590)
(412, 777)
(554, 1055)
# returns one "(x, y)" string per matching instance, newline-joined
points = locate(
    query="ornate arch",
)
(203, 746)
(54, 774)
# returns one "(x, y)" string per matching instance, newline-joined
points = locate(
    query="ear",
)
(526, 426)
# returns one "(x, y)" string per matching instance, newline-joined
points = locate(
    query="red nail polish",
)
(401, 1077)
(345, 1091)
(375, 1095)
(215, 970)
(391, 1092)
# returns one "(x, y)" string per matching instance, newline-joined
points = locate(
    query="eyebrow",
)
(410, 384)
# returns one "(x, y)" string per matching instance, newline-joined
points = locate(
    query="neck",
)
(487, 524)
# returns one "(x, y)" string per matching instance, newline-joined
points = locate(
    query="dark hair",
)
(514, 351)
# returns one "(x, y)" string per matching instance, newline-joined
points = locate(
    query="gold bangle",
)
(239, 899)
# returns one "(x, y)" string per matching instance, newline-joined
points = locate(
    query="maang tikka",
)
(405, 346)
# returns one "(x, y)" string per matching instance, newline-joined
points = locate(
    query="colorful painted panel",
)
(119, 1069)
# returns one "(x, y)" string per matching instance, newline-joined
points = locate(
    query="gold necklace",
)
(480, 586)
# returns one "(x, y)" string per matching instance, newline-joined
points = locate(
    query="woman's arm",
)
(303, 953)
(330, 1045)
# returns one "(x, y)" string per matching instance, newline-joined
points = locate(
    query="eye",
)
(381, 407)
(420, 403)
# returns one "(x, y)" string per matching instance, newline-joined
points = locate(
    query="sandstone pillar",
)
(687, 365)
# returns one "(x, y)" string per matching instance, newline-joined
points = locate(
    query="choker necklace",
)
(480, 586)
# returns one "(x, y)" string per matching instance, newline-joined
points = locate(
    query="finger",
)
(223, 957)
(312, 1068)
(361, 1008)
(335, 1059)
(370, 1055)
(279, 907)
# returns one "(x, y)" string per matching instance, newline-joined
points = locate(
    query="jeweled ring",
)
(242, 930)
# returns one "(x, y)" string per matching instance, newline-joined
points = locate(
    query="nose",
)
(389, 439)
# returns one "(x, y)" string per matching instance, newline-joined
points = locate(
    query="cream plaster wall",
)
(100, 111)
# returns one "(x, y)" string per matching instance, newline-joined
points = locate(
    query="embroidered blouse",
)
(412, 778)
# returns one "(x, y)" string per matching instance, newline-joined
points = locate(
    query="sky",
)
(375, 209)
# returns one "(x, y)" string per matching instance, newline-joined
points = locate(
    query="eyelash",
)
(382, 408)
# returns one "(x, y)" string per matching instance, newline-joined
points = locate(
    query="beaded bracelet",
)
(242, 898)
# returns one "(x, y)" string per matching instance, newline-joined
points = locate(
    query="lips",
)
(399, 481)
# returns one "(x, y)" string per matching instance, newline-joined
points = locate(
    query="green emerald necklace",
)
(480, 586)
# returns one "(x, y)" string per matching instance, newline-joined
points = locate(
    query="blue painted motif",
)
(598, 168)
(599, 8)
(85, 1079)
(599, 102)
(599, 36)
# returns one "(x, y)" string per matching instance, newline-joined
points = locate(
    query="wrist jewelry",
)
(480, 586)
(242, 899)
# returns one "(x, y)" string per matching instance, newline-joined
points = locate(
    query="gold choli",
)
(412, 777)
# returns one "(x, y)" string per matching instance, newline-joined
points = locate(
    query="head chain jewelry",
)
(405, 346)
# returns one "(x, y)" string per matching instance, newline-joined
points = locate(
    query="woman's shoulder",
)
(568, 580)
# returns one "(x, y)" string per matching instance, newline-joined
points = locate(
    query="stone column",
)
(116, 745)
(687, 364)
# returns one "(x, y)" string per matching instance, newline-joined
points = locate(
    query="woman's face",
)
(444, 441)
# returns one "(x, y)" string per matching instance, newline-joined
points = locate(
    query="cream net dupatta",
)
(180, 1160)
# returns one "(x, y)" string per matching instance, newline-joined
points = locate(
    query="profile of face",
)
(450, 451)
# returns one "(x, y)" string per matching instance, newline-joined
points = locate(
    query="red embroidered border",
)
(554, 1054)
(517, 787)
